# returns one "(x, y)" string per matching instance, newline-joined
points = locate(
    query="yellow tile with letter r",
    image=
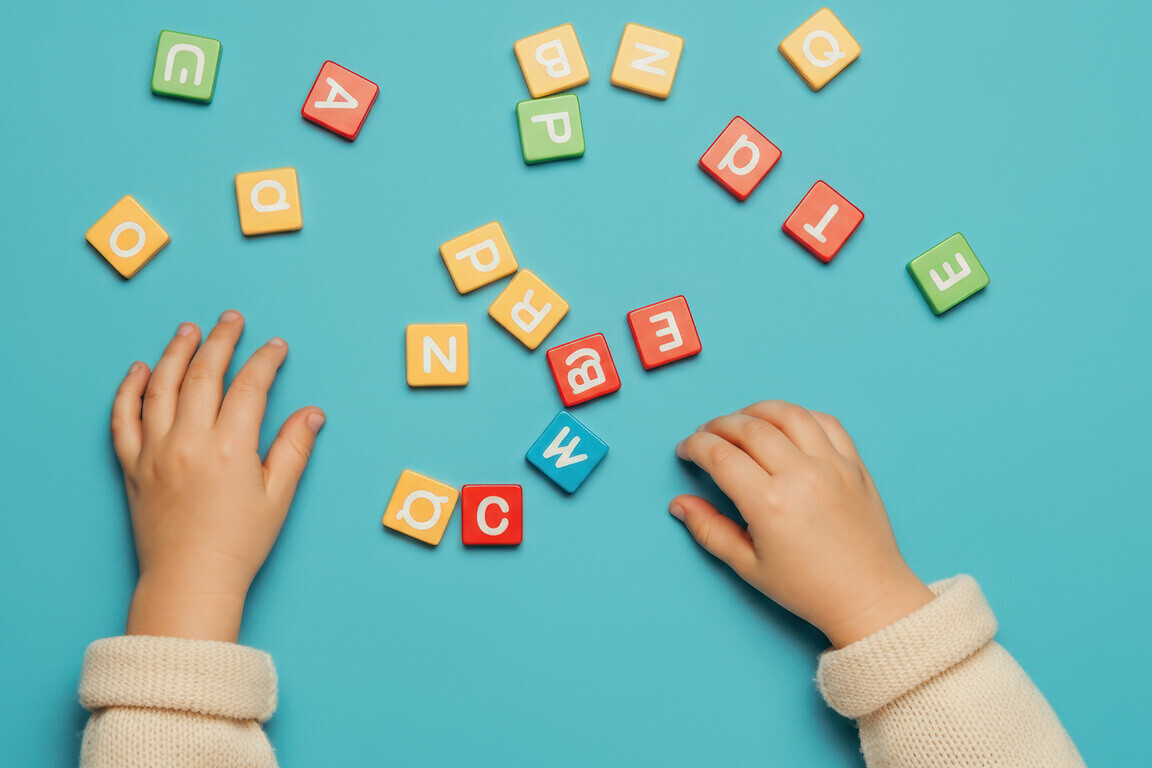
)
(820, 49)
(269, 201)
(479, 257)
(126, 236)
(437, 354)
(528, 309)
(647, 60)
(420, 507)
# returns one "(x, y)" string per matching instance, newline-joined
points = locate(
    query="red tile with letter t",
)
(823, 221)
(664, 332)
(740, 158)
(583, 369)
(340, 100)
(493, 515)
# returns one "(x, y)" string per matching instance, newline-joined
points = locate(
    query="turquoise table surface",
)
(1009, 436)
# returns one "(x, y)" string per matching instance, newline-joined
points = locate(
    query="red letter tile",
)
(823, 221)
(740, 158)
(493, 515)
(583, 369)
(664, 332)
(340, 100)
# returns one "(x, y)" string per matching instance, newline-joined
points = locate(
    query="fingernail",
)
(186, 329)
(276, 341)
(680, 447)
(676, 511)
(315, 420)
(229, 315)
(134, 367)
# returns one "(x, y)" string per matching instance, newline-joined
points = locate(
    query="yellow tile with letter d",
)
(551, 61)
(647, 60)
(269, 201)
(126, 236)
(420, 507)
(479, 257)
(528, 309)
(437, 354)
(820, 49)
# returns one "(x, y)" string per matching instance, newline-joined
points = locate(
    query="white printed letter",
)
(346, 100)
(671, 329)
(555, 66)
(833, 54)
(430, 348)
(645, 64)
(281, 203)
(522, 308)
(818, 230)
(951, 277)
(482, 515)
(590, 373)
(730, 158)
(564, 451)
(405, 511)
(473, 251)
(551, 118)
(195, 51)
(115, 236)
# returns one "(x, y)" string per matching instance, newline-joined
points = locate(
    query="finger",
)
(717, 533)
(734, 472)
(290, 451)
(837, 434)
(203, 387)
(243, 407)
(764, 442)
(127, 428)
(795, 422)
(164, 384)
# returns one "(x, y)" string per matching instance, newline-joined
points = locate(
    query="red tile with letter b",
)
(740, 158)
(823, 221)
(664, 332)
(583, 369)
(493, 515)
(340, 100)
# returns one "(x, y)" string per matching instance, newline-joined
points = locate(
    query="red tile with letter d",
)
(493, 515)
(740, 158)
(823, 221)
(583, 369)
(340, 100)
(664, 332)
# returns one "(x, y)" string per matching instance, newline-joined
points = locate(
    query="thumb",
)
(289, 452)
(717, 533)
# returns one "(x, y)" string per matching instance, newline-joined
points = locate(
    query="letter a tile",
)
(528, 309)
(127, 237)
(567, 452)
(551, 61)
(583, 369)
(269, 201)
(948, 273)
(479, 257)
(820, 49)
(340, 100)
(420, 507)
(740, 158)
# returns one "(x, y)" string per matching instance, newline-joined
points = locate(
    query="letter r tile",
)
(583, 369)
(528, 309)
(740, 158)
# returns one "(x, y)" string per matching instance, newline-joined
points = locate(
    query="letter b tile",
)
(567, 452)
(420, 507)
(186, 66)
(583, 369)
(551, 61)
(948, 274)
(740, 158)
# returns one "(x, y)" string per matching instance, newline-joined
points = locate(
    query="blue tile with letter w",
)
(567, 452)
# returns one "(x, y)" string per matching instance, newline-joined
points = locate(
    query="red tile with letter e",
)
(664, 332)
(740, 158)
(583, 369)
(493, 515)
(823, 221)
(340, 100)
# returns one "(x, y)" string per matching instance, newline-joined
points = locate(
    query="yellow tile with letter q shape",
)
(126, 236)
(479, 257)
(420, 507)
(269, 201)
(437, 354)
(528, 309)
(820, 49)
(647, 60)
(551, 61)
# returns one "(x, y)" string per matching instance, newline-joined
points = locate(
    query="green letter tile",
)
(186, 66)
(948, 273)
(550, 128)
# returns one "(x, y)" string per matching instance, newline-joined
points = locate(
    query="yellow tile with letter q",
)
(269, 201)
(820, 49)
(126, 236)
(647, 60)
(420, 507)
(551, 61)
(437, 354)
(479, 257)
(528, 309)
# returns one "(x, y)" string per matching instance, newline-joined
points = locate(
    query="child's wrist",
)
(167, 609)
(887, 600)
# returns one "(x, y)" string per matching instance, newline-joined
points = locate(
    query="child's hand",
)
(818, 540)
(205, 510)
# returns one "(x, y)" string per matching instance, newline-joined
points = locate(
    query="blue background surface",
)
(1009, 437)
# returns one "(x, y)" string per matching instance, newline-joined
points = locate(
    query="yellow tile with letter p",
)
(647, 60)
(479, 257)
(420, 507)
(820, 49)
(269, 201)
(437, 354)
(551, 61)
(126, 236)
(528, 309)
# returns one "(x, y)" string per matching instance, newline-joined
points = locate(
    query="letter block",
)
(479, 257)
(664, 332)
(437, 354)
(420, 507)
(340, 100)
(528, 309)
(127, 237)
(948, 273)
(269, 201)
(823, 221)
(551, 61)
(820, 49)
(550, 129)
(583, 369)
(740, 158)
(186, 66)
(567, 452)
(492, 515)
(647, 61)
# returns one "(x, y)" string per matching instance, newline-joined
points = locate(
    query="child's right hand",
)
(818, 540)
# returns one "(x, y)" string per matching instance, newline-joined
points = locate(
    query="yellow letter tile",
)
(552, 61)
(528, 309)
(437, 354)
(269, 201)
(127, 237)
(479, 257)
(647, 60)
(820, 48)
(420, 507)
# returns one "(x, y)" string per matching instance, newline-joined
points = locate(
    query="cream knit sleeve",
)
(934, 691)
(162, 702)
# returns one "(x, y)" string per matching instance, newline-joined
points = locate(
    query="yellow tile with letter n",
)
(437, 354)
(647, 61)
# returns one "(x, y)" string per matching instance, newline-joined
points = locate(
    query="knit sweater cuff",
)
(201, 676)
(862, 677)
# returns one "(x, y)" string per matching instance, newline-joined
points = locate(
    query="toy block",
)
(479, 257)
(528, 309)
(583, 369)
(550, 128)
(948, 273)
(127, 237)
(437, 354)
(186, 66)
(664, 332)
(551, 61)
(269, 201)
(567, 452)
(492, 515)
(420, 507)
(823, 221)
(740, 158)
(820, 49)
(340, 100)
(647, 61)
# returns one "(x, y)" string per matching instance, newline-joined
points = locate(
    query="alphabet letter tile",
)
(269, 201)
(127, 237)
(479, 257)
(186, 66)
(739, 158)
(550, 129)
(340, 100)
(493, 515)
(528, 309)
(420, 507)
(583, 369)
(664, 332)
(948, 273)
(823, 221)
(437, 354)
(551, 61)
(647, 60)
(567, 452)
(820, 49)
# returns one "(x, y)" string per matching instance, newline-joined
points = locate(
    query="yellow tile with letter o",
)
(127, 237)
(437, 354)
(820, 49)
(269, 201)
(647, 60)
(528, 309)
(479, 257)
(420, 507)
(551, 61)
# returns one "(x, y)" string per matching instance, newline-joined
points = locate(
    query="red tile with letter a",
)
(823, 221)
(583, 369)
(664, 332)
(340, 100)
(740, 158)
(493, 515)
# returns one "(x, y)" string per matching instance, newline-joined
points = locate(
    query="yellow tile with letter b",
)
(647, 60)
(437, 354)
(528, 309)
(269, 201)
(820, 49)
(479, 257)
(126, 236)
(420, 507)
(551, 61)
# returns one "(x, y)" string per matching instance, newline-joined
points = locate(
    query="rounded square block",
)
(479, 257)
(583, 369)
(126, 236)
(646, 61)
(664, 332)
(269, 201)
(567, 452)
(823, 221)
(437, 354)
(492, 515)
(948, 273)
(420, 507)
(340, 100)
(740, 158)
(551, 61)
(186, 66)
(528, 309)
(550, 129)
(820, 49)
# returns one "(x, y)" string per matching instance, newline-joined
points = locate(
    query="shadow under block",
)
(550, 128)
(528, 309)
(948, 273)
(740, 158)
(583, 370)
(340, 100)
(664, 332)
(437, 354)
(551, 61)
(269, 201)
(479, 257)
(567, 452)
(420, 507)
(186, 66)
(492, 515)
(820, 49)
(127, 237)
(646, 61)
(823, 221)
